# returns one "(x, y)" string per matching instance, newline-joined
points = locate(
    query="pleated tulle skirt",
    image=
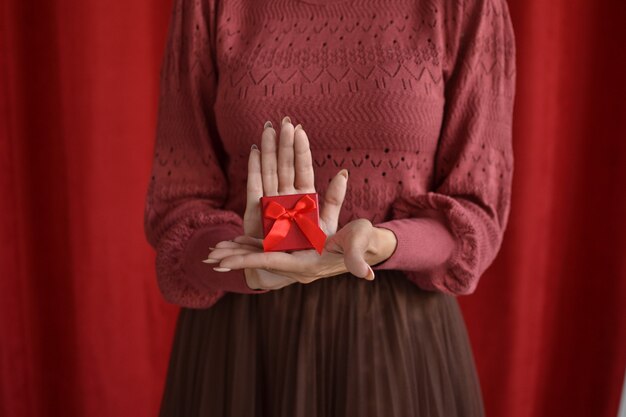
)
(341, 346)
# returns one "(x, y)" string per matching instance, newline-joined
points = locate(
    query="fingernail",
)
(220, 269)
(267, 124)
(254, 146)
(211, 248)
(344, 172)
(210, 261)
(370, 275)
(298, 126)
(286, 119)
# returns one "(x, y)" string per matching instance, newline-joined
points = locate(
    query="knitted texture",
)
(414, 98)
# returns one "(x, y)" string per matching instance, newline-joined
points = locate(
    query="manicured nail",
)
(220, 269)
(267, 124)
(286, 119)
(370, 275)
(344, 172)
(254, 146)
(210, 261)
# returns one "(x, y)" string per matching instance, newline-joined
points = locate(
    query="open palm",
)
(285, 166)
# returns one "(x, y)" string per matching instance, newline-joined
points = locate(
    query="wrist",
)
(382, 245)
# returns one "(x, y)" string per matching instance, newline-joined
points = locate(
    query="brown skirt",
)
(341, 346)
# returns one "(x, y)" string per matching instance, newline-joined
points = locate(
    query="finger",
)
(333, 200)
(266, 260)
(305, 177)
(230, 244)
(254, 184)
(233, 245)
(249, 240)
(219, 254)
(226, 244)
(354, 257)
(286, 172)
(268, 161)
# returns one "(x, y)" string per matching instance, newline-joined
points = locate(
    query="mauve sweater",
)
(413, 97)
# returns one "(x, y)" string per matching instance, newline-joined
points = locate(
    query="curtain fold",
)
(84, 331)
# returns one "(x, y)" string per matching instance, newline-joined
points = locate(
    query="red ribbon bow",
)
(285, 217)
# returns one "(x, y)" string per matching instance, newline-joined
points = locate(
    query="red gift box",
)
(291, 222)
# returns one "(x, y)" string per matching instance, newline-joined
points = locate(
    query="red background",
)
(84, 330)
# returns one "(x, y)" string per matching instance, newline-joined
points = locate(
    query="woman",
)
(408, 111)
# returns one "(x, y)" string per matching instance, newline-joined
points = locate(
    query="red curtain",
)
(84, 330)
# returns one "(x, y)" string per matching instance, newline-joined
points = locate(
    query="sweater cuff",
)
(202, 275)
(424, 244)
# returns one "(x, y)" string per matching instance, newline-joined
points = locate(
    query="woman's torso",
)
(366, 82)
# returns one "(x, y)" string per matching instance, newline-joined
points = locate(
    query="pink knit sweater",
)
(414, 98)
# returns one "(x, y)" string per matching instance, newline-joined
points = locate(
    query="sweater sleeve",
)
(184, 212)
(449, 236)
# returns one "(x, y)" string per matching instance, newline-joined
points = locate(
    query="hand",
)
(352, 249)
(291, 172)
(362, 244)
(303, 266)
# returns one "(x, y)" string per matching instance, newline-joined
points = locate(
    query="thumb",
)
(354, 258)
(333, 200)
